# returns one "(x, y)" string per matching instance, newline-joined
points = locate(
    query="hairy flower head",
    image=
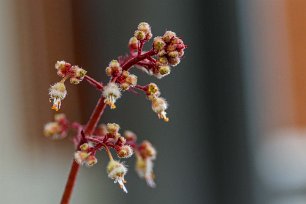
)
(57, 93)
(111, 93)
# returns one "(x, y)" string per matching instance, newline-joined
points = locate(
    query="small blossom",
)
(80, 157)
(62, 68)
(121, 141)
(130, 136)
(159, 105)
(117, 171)
(144, 169)
(162, 60)
(146, 150)
(114, 69)
(140, 35)
(168, 36)
(83, 157)
(58, 128)
(84, 147)
(158, 44)
(125, 151)
(152, 90)
(112, 128)
(144, 162)
(133, 43)
(111, 93)
(174, 61)
(57, 93)
(146, 28)
(131, 79)
(77, 74)
(91, 160)
(163, 70)
(53, 130)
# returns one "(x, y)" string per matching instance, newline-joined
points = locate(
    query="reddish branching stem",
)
(93, 82)
(128, 64)
(168, 50)
(90, 127)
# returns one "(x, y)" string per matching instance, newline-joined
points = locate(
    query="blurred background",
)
(237, 101)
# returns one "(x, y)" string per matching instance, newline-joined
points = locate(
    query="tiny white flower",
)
(117, 171)
(144, 169)
(159, 105)
(57, 93)
(80, 157)
(54, 131)
(111, 93)
(60, 64)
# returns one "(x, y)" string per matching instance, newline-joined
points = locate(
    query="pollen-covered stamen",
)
(111, 93)
(57, 93)
(121, 183)
(162, 115)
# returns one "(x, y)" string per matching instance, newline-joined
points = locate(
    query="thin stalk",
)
(90, 127)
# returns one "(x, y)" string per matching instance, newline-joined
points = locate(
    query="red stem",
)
(128, 64)
(91, 125)
(93, 82)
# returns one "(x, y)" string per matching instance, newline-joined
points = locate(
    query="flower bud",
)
(79, 72)
(163, 60)
(162, 53)
(91, 160)
(140, 35)
(80, 157)
(74, 80)
(146, 150)
(84, 147)
(174, 61)
(112, 128)
(145, 27)
(125, 151)
(133, 43)
(168, 36)
(173, 54)
(152, 89)
(130, 136)
(131, 79)
(53, 130)
(158, 44)
(62, 68)
(125, 86)
(113, 69)
(121, 141)
(164, 70)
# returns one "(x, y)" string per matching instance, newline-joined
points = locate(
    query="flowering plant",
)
(166, 51)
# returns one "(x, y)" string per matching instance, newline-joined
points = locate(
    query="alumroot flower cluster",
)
(166, 52)
(58, 92)
(58, 128)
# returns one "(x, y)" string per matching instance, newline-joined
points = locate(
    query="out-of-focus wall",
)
(34, 34)
(273, 45)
